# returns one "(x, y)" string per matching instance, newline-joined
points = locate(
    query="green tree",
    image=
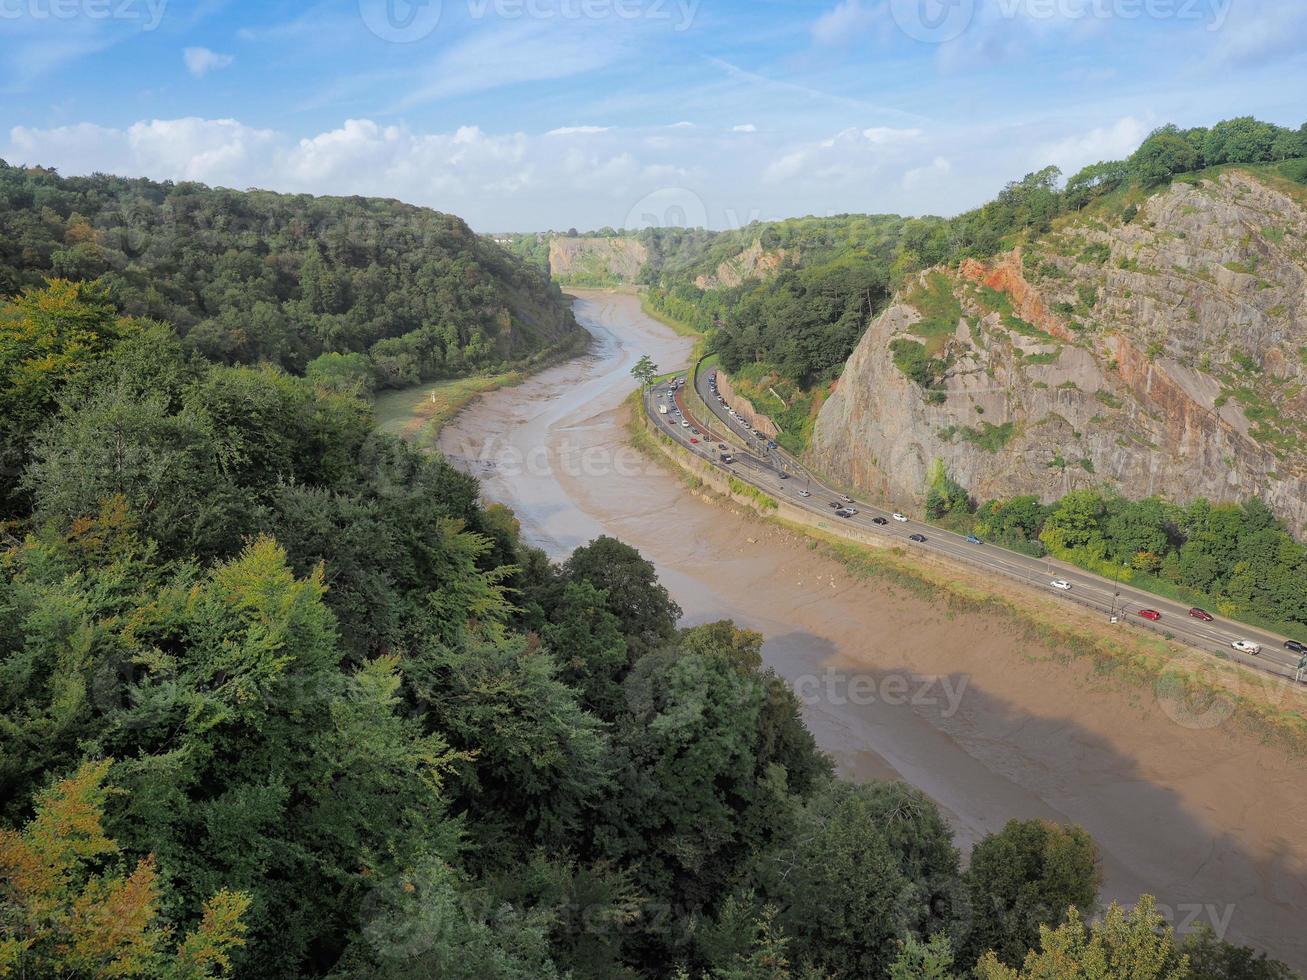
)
(641, 604)
(645, 371)
(1023, 880)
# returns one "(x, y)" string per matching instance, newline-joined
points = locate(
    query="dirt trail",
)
(1206, 819)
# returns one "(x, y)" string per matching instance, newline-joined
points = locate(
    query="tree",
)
(1075, 525)
(840, 885)
(1214, 959)
(1137, 944)
(1024, 879)
(1163, 155)
(71, 909)
(645, 371)
(641, 604)
(924, 961)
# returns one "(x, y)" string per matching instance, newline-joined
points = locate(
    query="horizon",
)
(545, 114)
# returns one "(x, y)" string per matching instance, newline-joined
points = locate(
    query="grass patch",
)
(988, 437)
(417, 414)
(940, 311)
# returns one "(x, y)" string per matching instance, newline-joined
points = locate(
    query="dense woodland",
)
(280, 698)
(255, 277)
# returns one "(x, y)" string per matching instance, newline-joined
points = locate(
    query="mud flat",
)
(898, 686)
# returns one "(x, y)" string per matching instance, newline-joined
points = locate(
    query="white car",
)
(1247, 646)
(1061, 583)
(900, 518)
(804, 493)
(684, 424)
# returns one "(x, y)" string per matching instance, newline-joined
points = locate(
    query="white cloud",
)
(744, 128)
(577, 130)
(1114, 142)
(884, 135)
(201, 61)
(918, 177)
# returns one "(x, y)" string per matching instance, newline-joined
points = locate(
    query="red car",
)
(695, 441)
(1151, 614)
(1202, 614)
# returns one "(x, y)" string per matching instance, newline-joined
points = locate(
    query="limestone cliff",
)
(596, 261)
(754, 262)
(1162, 355)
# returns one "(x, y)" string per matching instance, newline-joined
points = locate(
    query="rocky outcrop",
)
(754, 262)
(1165, 356)
(596, 261)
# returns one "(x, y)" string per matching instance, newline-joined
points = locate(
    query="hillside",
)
(1165, 354)
(248, 277)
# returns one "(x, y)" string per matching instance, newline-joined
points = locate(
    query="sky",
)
(532, 115)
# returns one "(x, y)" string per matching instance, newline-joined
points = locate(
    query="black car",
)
(1295, 646)
(880, 521)
(836, 505)
(847, 515)
(919, 538)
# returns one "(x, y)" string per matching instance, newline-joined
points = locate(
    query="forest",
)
(280, 698)
(405, 293)
(804, 321)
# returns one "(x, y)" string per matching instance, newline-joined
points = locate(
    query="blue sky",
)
(537, 114)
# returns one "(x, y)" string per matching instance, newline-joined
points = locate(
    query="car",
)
(880, 521)
(846, 498)
(844, 514)
(694, 441)
(722, 446)
(1150, 614)
(972, 539)
(1061, 583)
(1202, 614)
(771, 445)
(1247, 646)
(783, 475)
(804, 493)
(900, 518)
(1295, 646)
(852, 510)
(919, 538)
(684, 424)
(836, 505)
(694, 431)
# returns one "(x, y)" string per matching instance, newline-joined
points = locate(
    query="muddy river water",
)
(896, 686)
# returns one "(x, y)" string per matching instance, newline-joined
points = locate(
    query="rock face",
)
(1166, 356)
(596, 260)
(754, 262)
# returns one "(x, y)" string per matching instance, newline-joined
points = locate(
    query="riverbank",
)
(417, 414)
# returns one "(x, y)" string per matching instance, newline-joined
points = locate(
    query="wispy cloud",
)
(201, 61)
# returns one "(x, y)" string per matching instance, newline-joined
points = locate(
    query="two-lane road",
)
(779, 474)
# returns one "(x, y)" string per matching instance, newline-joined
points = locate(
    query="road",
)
(776, 472)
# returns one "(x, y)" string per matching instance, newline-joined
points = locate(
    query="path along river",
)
(896, 686)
